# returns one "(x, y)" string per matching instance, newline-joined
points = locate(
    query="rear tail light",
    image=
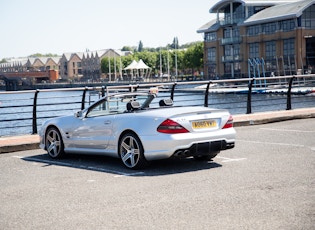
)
(229, 123)
(171, 127)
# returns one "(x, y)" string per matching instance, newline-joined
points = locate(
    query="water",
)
(18, 119)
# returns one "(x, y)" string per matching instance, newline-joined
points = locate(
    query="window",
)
(227, 68)
(287, 25)
(308, 18)
(253, 30)
(253, 50)
(212, 54)
(210, 36)
(270, 49)
(236, 51)
(236, 32)
(231, 32)
(227, 33)
(238, 13)
(269, 28)
(228, 50)
(289, 47)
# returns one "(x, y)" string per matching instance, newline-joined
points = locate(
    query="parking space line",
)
(59, 163)
(226, 159)
(288, 130)
(273, 143)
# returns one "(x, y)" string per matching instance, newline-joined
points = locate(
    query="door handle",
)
(106, 122)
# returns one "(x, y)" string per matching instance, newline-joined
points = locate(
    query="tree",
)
(105, 63)
(3, 60)
(140, 47)
(174, 45)
(193, 57)
(43, 55)
(127, 48)
(149, 58)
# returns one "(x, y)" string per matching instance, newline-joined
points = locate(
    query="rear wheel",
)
(131, 151)
(54, 144)
(206, 157)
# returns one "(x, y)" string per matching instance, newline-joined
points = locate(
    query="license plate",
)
(204, 124)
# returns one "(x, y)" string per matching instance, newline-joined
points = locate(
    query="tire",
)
(206, 157)
(54, 144)
(131, 151)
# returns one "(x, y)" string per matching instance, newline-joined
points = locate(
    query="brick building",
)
(70, 66)
(255, 37)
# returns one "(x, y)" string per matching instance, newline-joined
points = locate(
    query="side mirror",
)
(78, 114)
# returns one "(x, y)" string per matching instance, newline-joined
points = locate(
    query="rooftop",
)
(280, 12)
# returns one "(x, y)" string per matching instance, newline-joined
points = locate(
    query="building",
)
(259, 37)
(91, 62)
(70, 67)
(31, 70)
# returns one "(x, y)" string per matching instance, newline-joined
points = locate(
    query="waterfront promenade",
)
(27, 142)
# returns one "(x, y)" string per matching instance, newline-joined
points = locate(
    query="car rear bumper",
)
(205, 148)
(165, 146)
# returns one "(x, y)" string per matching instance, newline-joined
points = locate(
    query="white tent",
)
(132, 65)
(142, 65)
(136, 66)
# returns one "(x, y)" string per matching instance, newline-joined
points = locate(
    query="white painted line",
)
(52, 162)
(226, 159)
(288, 130)
(273, 143)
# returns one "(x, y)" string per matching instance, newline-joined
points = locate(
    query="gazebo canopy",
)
(142, 65)
(137, 65)
(132, 65)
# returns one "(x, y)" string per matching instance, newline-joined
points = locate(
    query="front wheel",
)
(53, 143)
(131, 151)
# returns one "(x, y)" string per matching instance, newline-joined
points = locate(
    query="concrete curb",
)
(247, 122)
(18, 143)
(18, 147)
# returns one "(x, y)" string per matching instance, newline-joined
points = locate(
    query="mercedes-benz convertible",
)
(138, 127)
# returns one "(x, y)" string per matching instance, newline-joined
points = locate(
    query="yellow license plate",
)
(204, 124)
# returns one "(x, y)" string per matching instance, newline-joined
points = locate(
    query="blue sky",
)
(60, 26)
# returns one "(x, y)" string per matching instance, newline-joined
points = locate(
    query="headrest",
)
(133, 105)
(166, 102)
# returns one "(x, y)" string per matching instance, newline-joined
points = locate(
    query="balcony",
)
(232, 58)
(230, 21)
(226, 41)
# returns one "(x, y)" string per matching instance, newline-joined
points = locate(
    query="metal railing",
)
(28, 109)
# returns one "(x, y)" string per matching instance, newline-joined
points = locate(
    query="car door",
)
(93, 131)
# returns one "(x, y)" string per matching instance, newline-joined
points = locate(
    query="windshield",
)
(118, 104)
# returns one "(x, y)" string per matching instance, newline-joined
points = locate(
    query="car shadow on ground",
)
(115, 166)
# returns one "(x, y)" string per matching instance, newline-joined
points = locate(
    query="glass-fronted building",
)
(254, 37)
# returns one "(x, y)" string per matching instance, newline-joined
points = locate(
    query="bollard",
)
(173, 90)
(83, 98)
(34, 119)
(249, 96)
(207, 94)
(289, 105)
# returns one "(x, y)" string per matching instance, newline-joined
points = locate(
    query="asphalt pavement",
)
(266, 182)
(27, 142)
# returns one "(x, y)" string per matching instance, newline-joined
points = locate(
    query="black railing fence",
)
(22, 112)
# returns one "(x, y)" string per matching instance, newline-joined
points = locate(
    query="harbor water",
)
(17, 108)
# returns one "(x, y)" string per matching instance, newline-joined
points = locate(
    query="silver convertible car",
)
(138, 127)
